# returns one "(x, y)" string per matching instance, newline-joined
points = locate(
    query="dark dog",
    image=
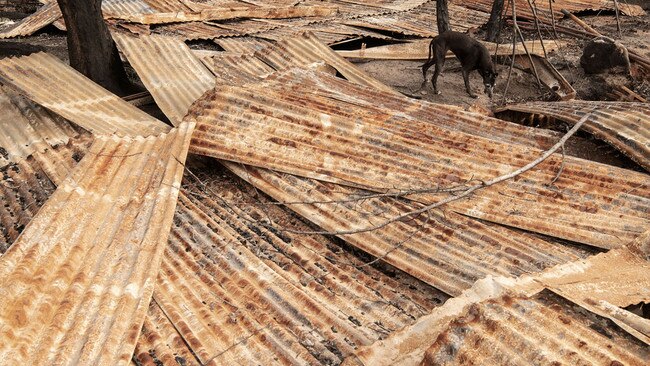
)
(471, 54)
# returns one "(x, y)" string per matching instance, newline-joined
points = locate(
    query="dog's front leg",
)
(466, 78)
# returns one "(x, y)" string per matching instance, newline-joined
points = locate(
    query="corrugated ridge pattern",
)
(236, 69)
(76, 283)
(624, 125)
(543, 10)
(328, 32)
(298, 132)
(43, 17)
(280, 293)
(169, 70)
(445, 250)
(194, 30)
(242, 45)
(27, 184)
(419, 21)
(27, 127)
(306, 49)
(544, 331)
(56, 86)
(122, 8)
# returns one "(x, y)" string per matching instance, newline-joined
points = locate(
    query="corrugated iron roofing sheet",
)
(236, 69)
(56, 86)
(327, 32)
(123, 8)
(27, 127)
(544, 11)
(624, 125)
(243, 45)
(306, 49)
(498, 332)
(314, 132)
(239, 293)
(592, 291)
(195, 30)
(169, 70)
(421, 21)
(76, 283)
(43, 17)
(446, 250)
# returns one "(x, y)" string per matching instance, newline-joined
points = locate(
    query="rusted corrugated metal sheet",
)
(243, 45)
(76, 283)
(236, 69)
(306, 49)
(43, 17)
(195, 30)
(27, 128)
(168, 69)
(239, 293)
(421, 21)
(327, 32)
(56, 86)
(544, 11)
(284, 126)
(497, 332)
(123, 8)
(419, 50)
(624, 125)
(445, 250)
(357, 8)
(592, 291)
(28, 182)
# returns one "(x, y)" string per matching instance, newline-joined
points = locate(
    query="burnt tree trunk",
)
(90, 46)
(442, 16)
(495, 22)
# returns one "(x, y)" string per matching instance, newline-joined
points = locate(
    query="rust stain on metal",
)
(243, 45)
(56, 86)
(168, 69)
(236, 69)
(563, 334)
(195, 30)
(79, 277)
(624, 125)
(335, 131)
(445, 250)
(43, 17)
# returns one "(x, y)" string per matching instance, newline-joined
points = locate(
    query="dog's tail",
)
(429, 62)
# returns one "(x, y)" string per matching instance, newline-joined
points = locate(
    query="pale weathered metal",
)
(545, 329)
(169, 70)
(195, 30)
(336, 131)
(624, 125)
(58, 87)
(76, 283)
(43, 17)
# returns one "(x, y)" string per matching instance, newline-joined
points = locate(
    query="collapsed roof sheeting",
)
(543, 9)
(79, 278)
(27, 128)
(195, 30)
(243, 45)
(471, 336)
(624, 125)
(328, 32)
(43, 17)
(418, 22)
(306, 49)
(286, 126)
(407, 346)
(168, 69)
(445, 250)
(236, 69)
(121, 8)
(56, 86)
(239, 293)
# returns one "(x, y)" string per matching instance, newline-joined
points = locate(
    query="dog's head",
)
(489, 79)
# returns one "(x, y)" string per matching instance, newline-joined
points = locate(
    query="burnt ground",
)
(406, 77)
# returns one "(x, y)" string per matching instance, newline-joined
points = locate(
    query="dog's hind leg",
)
(425, 67)
(440, 64)
(467, 87)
